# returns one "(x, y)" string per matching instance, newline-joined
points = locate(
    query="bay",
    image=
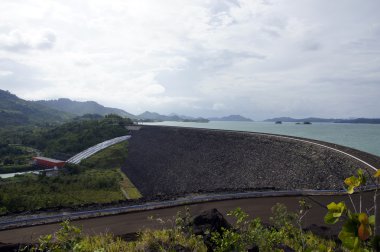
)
(364, 137)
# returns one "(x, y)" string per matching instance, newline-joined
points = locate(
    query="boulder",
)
(211, 221)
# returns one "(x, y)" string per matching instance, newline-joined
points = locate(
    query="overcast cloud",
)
(260, 59)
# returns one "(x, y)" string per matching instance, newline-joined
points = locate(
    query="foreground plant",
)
(359, 227)
(285, 232)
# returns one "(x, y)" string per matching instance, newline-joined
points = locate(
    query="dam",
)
(177, 161)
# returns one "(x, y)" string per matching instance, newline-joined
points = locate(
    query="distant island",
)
(231, 118)
(156, 117)
(325, 120)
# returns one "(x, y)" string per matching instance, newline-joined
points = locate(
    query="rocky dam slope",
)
(176, 161)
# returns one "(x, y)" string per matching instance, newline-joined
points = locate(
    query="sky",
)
(257, 58)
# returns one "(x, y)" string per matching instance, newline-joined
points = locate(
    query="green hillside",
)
(63, 141)
(16, 111)
(82, 108)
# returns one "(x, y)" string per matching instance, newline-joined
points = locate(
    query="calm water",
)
(10, 175)
(365, 137)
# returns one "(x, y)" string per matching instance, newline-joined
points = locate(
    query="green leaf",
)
(371, 220)
(360, 172)
(351, 182)
(377, 174)
(349, 240)
(335, 211)
(330, 219)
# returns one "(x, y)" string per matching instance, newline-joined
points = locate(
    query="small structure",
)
(48, 163)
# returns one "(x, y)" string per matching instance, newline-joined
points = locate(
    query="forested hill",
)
(82, 108)
(65, 140)
(16, 111)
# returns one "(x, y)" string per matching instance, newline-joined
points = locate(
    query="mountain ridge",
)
(154, 116)
(17, 111)
(82, 108)
(231, 118)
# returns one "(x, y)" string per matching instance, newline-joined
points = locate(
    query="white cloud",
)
(17, 41)
(218, 106)
(265, 58)
(5, 73)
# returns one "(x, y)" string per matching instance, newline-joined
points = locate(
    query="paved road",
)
(29, 220)
(94, 149)
(133, 222)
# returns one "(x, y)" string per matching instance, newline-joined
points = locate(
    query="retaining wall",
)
(173, 160)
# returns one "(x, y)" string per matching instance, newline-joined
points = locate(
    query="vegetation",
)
(358, 231)
(82, 108)
(128, 188)
(246, 233)
(15, 158)
(284, 232)
(16, 111)
(65, 190)
(19, 144)
(96, 180)
(73, 137)
(114, 157)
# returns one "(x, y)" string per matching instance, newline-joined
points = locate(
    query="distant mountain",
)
(82, 108)
(16, 111)
(232, 118)
(331, 120)
(360, 120)
(309, 119)
(153, 116)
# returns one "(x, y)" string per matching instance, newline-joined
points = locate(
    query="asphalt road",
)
(134, 222)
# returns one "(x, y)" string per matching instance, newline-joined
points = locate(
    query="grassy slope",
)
(114, 157)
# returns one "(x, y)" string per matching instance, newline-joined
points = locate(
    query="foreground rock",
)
(208, 222)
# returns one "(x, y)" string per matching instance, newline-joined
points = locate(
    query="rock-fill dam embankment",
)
(173, 160)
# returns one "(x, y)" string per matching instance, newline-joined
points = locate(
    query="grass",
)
(33, 192)
(111, 157)
(131, 192)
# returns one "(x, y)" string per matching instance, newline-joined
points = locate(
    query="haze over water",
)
(365, 137)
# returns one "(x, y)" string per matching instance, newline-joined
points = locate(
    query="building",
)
(48, 163)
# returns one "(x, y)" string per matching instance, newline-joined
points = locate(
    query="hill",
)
(172, 117)
(65, 140)
(290, 119)
(16, 111)
(231, 118)
(82, 108)
(330, 120)
(360, 120)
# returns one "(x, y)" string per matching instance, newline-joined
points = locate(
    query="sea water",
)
(364, 137)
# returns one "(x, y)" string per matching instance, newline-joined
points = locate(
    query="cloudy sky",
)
(260, 59)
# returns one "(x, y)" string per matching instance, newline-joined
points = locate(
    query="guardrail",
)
(94, 149)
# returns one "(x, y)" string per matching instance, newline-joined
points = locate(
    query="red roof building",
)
(48, 162)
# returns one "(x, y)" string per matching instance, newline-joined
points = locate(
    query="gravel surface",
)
(173, 160)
